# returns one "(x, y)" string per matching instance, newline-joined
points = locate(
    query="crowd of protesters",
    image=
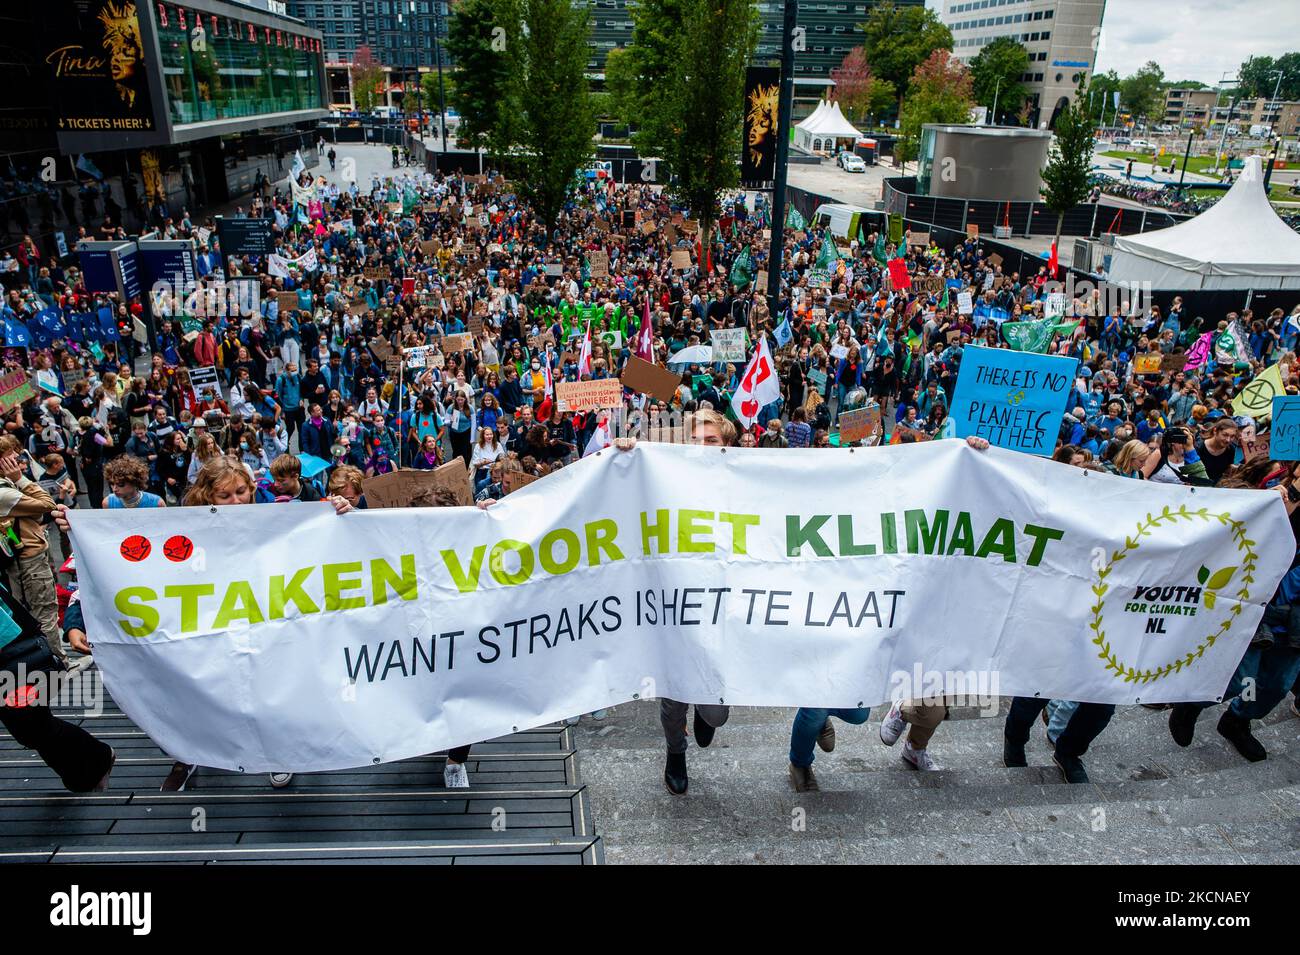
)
(412, 320)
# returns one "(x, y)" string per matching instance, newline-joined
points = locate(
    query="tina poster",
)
(762, 94)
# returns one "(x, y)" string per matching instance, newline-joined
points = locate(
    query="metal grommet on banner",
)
(212, 510)
(636, 696)
(724, 450)
(240, 768)
(375, 760)
(722, 701)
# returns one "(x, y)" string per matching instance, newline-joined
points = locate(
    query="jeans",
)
(1274, 670)
(1084, 726)
(1058, 716)
(808, 722)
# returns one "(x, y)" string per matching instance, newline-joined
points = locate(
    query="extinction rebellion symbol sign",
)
(1126, 613)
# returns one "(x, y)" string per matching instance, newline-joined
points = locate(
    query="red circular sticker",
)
(178, 548)
(136, 548)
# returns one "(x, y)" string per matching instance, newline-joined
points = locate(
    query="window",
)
(1048, 14)
(1047, 36)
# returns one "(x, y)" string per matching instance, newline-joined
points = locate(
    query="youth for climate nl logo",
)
(1151, 608)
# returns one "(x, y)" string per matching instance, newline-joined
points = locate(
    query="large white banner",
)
(290, 638)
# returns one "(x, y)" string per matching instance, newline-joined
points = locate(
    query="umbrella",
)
(312, 465)
(694, 355)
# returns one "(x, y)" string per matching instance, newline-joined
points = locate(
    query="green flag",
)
(878, 250)
(793, 218)
(828, 256)
(409, 202)
(1036, 335)
(742, 271)
(943, 302)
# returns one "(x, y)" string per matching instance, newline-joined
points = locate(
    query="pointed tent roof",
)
(1238, 235)
(812, 118)
(827, 120)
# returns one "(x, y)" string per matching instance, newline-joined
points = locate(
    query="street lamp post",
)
(1272, 105)
(996, 89)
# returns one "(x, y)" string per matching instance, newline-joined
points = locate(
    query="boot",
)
(1236, 731)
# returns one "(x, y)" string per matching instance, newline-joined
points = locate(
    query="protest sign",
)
(206, 383)
(899, 275)
(1284, 432)
(965, 303)
(972, 230)
(286, 301)
(690, 225)
(457, 343)
(1014, 399)
(995, 260)
(598, 260)
(73, 377)
(1148, 364)
(728, 344)
(590, 395)
(241, 672)
(670, 233)
(953, 335)
(681, 259)
(1173, 363)
(475, 324)
(647, 378)
(513, 480)
(554, 269)
(839, 351)
(1256, 396)
(381, 348)
(858, 424)
(15, 388)
(919, 240)
(647, 227)
(375, 272)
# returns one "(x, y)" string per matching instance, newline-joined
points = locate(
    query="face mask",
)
(243, 446)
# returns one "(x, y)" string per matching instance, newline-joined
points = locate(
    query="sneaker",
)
(892, 726)
(826, 738)
(280, 780)
(572, 720)
(455, 776)
(1013, 753)
(1295, 700)
(675, 774)
(102, 785)
(919, 759)
(1182, 723)
(803, 779)
(599, 714)
(178, 778)
(703, 731)
(1237, 732)
(1071, 768)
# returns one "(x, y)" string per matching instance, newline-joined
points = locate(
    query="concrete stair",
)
(1149, 801)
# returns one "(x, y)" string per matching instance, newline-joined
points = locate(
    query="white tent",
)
(825, 130)
(1238, 243)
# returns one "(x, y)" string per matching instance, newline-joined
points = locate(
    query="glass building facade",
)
(231, 77)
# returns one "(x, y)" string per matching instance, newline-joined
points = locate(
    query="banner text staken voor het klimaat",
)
(290, 638)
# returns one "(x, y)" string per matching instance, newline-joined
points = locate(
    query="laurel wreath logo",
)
(1168, 516)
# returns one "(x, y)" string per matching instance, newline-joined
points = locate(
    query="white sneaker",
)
(455, 776)
(572, 720)
(892, 726)
(918, 759)
(599, 714)
(280, 780)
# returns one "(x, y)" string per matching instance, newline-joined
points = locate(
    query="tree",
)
(1065, 177)
(547, 115)
(898, 40)
(621, 85)
(367, 78)
(1258, 77)
(479, 35)
(939, 91)
(691, 117)
(1101, 96)
(862, 93)
(1143, 92)
(995, 76)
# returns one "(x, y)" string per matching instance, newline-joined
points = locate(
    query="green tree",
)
(621, 84)
(939, 91)
(1100, 96)
(1143, 92)
(995, 76)
(692, 114)
(479, 42)
(367, 76)
(899, 39)
(1258, 77)
(1065, 177)
(548, 118)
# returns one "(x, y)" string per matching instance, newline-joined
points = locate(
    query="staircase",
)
(1149, 800)
(525, 805)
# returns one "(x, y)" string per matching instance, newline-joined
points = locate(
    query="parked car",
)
(1120, 141)
(851, 162)
(1142, 145)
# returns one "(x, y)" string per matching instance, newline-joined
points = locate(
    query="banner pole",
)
(784, 105)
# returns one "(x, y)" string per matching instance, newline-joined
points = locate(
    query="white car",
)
(1142, 145)
(851, 162)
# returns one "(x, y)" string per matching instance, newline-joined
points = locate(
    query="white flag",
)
(277, 265)
(600, 438)
(584, 355)
(299, 165)
(758, 386)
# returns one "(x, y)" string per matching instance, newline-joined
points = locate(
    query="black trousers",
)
(80, 760)
(458, 754)
(1085, 725)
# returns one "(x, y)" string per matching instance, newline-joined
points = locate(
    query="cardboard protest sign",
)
(514, 480)
(965, 304)
(972, 230)
(670, 233)
(690, 225)
(728, 344)
(953, 335)
(1284, 432)
(375, 272)
(286, 301)
(429, 246)
(206, 383)
(1148, 364)
(457, 343)
(598, 260)
(650, 379)
(601, 224)
(475, 324)
(921, 239)
(393, 363)
(995, 260)
(379, 345)
(859, 423)
(681, 259)
(1013, 399)
(590, 395)
(15, 388)
(1173, 363)
(647, 227)
(760, 283)
(839, 351)
(358, 308)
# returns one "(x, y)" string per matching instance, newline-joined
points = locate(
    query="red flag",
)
(645, 334)
(1052, 261)
(898, 274)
